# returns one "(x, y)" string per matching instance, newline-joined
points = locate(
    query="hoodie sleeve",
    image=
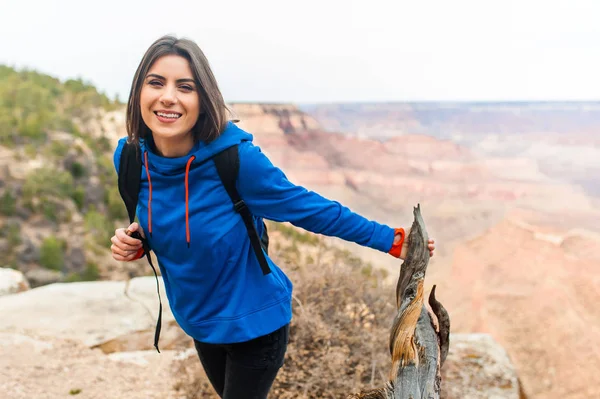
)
(270, 195)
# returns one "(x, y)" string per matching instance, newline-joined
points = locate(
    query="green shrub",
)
(32, 103)
(28, 204)
(31, 151)
(77, 170)
(32, 127)
(99, 227)
(8, 204)
(48, 182)
(104, 144)
(8, 129)
(79, 197)
(116, 207)
(106, 170)
(50, 211)
(91, 273)
(58, 149)
(12, 232)
(52, 253)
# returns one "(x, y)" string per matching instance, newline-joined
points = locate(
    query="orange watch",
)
(397, 247)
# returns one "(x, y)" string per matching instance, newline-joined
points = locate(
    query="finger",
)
(124, 253)
(121, 258)
(124, 238)
(133, 227)
(118, 257)
(123, 246)
(118, 251)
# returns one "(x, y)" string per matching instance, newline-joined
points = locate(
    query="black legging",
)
(244, 370)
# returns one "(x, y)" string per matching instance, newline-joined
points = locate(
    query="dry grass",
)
(340, 329)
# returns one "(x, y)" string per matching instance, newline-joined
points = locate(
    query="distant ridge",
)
(443, 119)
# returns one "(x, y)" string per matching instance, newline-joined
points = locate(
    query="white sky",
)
(325, 50)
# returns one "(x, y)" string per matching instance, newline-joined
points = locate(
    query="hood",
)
(201, 151)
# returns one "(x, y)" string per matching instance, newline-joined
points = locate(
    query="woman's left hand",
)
(404, 250)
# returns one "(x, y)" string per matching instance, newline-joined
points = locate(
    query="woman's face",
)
(169, 100)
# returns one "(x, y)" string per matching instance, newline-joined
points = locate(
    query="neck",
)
(174, 148)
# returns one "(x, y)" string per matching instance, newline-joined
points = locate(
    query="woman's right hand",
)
(125, 248)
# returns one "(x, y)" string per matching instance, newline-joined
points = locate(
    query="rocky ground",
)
(94, 339)
(35, 366)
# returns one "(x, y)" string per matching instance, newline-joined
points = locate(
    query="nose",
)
(169, 96)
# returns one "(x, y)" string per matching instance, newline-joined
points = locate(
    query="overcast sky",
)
(325, 50)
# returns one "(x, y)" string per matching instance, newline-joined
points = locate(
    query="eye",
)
(187, 87)
(155, 83)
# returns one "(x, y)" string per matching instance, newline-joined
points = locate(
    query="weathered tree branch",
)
(417, 347)
(443, 323)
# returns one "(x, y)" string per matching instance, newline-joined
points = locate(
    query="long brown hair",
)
(213, 110)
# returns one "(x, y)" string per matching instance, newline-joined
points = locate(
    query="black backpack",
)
(227, 163)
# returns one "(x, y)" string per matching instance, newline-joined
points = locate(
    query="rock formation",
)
(12, 282)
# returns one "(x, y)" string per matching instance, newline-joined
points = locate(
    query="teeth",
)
(173, 116)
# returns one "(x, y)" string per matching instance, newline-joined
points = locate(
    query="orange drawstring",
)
(149, 195)
(187, 216)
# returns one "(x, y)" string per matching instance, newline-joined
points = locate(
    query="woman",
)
(238, 317)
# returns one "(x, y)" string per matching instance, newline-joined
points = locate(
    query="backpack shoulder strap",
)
(130, 171)
(228, 166)
(130, 175)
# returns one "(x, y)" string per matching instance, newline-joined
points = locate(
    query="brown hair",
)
(213, 111)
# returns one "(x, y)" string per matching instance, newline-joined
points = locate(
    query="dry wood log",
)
(418, 345)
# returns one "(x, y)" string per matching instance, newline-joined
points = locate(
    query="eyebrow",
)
(177, 81)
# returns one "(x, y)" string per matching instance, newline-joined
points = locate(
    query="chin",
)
(166, 131)
(167, 134)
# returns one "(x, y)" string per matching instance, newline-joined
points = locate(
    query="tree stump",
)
(418, 345)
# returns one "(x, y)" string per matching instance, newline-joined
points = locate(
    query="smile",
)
(170, 115)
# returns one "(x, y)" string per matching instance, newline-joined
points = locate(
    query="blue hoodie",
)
(215, 286)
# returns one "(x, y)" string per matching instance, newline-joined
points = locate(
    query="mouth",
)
(167, 115)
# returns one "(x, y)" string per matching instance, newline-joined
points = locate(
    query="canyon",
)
(510, 193)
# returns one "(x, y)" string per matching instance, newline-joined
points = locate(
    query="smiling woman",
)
(223, 289)
(174, 78)
(170, 105)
